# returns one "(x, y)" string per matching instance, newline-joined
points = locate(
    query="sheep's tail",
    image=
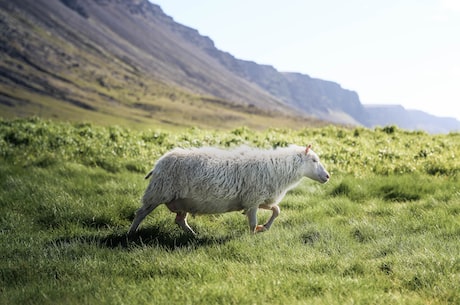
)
(149, 174)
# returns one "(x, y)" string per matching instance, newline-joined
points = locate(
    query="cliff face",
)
(320, 98)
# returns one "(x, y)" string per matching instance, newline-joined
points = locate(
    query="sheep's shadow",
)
(151, 236)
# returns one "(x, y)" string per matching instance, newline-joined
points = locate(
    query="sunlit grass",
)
(372, 235)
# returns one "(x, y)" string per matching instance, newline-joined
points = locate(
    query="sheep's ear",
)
(308, 148)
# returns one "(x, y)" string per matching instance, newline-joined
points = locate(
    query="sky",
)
(404, 52)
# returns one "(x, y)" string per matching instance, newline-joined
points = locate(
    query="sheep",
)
(210, 181)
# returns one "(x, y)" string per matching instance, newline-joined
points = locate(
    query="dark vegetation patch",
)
(12, 101)
(343, 189)
(311, 237)
(396, 193)
(75, 6)
(148, 107)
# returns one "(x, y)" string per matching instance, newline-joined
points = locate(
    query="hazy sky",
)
(390, 52)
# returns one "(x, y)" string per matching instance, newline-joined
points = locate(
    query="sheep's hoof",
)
(260, 228)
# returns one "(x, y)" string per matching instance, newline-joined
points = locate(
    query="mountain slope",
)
(97, 55)
(64, 62)
(139, 35)
(125, 61)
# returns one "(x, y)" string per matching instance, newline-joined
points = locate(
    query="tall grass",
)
(359, 151)
(385, 230)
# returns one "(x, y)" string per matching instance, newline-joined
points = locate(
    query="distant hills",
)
(382, 115)
(126, 61)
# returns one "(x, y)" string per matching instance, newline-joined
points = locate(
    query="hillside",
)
(57, 62)
(126, 62)
(383, 230)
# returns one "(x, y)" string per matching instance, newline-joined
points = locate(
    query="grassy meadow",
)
(384, 230)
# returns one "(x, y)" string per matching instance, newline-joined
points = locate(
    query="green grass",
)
(384, 230)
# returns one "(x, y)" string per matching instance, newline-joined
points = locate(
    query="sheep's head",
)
(313, 168)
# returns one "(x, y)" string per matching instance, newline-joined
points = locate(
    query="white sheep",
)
(209, 181)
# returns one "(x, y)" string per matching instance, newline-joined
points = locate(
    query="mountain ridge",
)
(128, 58)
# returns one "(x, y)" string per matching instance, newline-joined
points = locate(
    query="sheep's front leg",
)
(181, 220)
(275, 213)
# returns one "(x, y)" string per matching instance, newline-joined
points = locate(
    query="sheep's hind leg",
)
(140, 215)
(181, 220)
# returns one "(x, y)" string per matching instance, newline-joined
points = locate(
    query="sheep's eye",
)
(314, 160)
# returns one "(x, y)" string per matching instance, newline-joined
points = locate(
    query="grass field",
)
(384, 230)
